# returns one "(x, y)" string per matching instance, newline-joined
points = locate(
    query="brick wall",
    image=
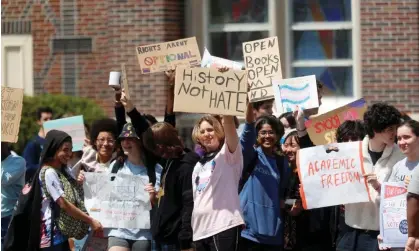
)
(115, 27)
(390, 52)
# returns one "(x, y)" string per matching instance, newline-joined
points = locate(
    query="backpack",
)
(68, 225)
(248, 170)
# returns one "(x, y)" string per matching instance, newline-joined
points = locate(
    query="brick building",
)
(358, 48)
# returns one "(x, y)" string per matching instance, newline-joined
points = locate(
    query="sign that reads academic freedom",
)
(167, 56)
(206, 90)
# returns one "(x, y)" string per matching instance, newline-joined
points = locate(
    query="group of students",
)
(231, 193)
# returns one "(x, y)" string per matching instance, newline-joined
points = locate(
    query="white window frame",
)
(270, 26)
(328, 103)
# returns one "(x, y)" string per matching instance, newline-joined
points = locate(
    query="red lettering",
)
(311, 169)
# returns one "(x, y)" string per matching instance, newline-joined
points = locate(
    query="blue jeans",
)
(358, 240)
(4, 226)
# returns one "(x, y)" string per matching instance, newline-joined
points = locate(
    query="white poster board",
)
(118, 203)
(74, 126)
(210, 61)
(393, 217)
(330, 178)
(292, 92)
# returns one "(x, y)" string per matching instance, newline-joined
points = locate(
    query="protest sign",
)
(117, 200)
(166, 56)
(11, 113)
(322, 128)
(292, 92)
(206, 90)
(74, 126)
(262, 62)
(393, 217)
(125, 81)
(210, 61)
(337, 174)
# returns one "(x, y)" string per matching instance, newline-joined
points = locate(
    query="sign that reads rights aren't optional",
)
(206, 90)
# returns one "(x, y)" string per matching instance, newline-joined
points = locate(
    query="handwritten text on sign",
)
(206, 90)
(393, 218)
(339, 174)
(292, 92)
(11, 113)
(262, 62)
(118, 203)
(166, 56)
(322, 128)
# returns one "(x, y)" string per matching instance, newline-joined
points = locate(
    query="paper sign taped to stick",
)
(292, 92)
(117, 200)
(337, 174)
(206, 90)
(74, 126)
(211, 61)
(167, 56)
(125, 81)
(322, 128)
(262, 62)
(11, 113)
(393, 217)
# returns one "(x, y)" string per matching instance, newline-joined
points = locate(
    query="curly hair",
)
(379, 117)
(103, 125)
(350, 130)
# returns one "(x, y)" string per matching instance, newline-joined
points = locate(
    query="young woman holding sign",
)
(216, 216)
(262, 183)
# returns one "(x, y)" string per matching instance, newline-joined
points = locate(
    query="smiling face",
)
(387, 136)
(64, 153)
(130, 145)
(105, 144)
(207, 137)
(267, 137)
(290, 148)
(407, 140)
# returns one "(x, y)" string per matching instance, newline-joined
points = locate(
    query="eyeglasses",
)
(102, 141)
(265, 133)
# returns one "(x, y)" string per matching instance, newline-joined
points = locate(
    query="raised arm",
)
(231, 138)
(169, 115)
(248, 136)
(305, 140)
(138, 121)
(119, 111)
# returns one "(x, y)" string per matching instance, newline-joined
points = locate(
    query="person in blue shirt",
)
(33, 148)
(12, 181)
(264, 183)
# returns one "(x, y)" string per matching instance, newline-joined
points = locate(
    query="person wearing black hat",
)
(31, 224)
(134, 162)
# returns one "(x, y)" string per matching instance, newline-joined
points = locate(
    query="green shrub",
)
(61, 105)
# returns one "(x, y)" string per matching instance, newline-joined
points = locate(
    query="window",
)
(322, 35)
(229, 23)
(72, 45)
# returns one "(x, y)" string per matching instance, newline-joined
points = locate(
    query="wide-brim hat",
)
(128, 131)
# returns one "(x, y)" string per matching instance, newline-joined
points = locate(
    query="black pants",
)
(227, 240)
(248, 245)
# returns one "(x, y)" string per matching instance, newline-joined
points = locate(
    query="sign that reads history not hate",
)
(167, 56)
(332, 177)
(262, 62)
(11, 113)
(206, 90)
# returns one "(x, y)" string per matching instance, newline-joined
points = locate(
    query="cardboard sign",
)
(206, 90)
(330, 178)
(125, 81)
(393, 217)
(210, 61)
(262, 62)
(292, 92)
(74, 126)
(166, 56)
(117, 200)
(322, 129)
(11, 113)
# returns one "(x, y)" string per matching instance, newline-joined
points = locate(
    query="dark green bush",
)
(61, 105)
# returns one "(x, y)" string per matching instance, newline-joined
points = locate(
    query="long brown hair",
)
(214, 122)
(163, 140)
